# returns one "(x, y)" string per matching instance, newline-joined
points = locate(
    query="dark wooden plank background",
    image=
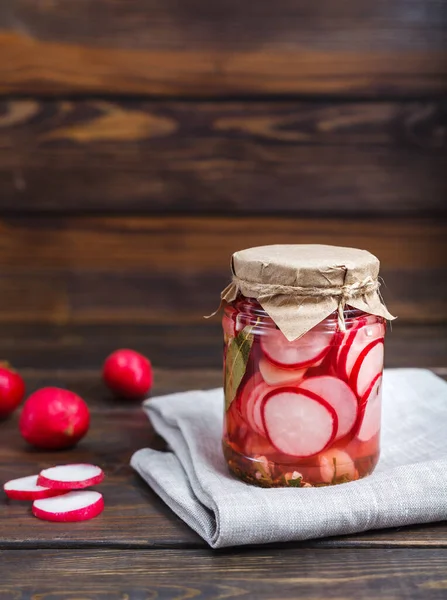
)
(263, 574)
(196, 47)
(298, 158)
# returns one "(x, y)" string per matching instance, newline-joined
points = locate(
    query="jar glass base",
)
(263, 472)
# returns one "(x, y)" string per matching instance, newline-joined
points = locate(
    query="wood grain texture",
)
(172, 269)
(302, 158)
(196, 47)
(199, 346)
(397, 574)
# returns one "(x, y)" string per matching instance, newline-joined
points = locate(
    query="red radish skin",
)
(368, 364)
(344, 349)
(298, 422)
(69, 508)
(363, 336)
(128, 373)
(27, 488)
(339, 395)
(371, 411)
(274, 375)
(53, 419)
(304, 352)
(71, 477)
(257, 419)
(245, 397)
(12, 391)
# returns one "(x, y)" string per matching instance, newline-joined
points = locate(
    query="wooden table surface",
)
(138, 549)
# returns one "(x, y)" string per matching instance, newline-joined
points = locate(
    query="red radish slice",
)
(244, 398)
(26, 488)
(257, 392)
(372, 403)
(368, 364)
(71, 477)
(338, 395)
(257, 420)
(303, 352)
(347, 341)
(363, 337)
(74, 506)
(274, 375)
(298, 422)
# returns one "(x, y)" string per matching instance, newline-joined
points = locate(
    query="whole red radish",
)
(53, 418)
(127, 373)
(12, 390)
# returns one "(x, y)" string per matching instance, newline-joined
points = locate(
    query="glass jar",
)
(305, 412)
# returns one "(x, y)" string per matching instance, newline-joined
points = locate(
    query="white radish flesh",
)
(298, 422)
(71, 507)
(368, 364)
(372, 405)
(335, 464)
(26, 488)
(71, 477)
(339, 395)
(274, 375)
(301, 353)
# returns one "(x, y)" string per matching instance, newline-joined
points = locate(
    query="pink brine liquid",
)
(306, 412)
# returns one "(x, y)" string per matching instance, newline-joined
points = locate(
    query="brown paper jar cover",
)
(299, 285)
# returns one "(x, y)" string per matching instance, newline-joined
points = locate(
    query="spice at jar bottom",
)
(304, 329)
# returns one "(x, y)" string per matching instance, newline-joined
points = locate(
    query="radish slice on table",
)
(368, 364)
(298, 422)
(303, 352)
(26, 488)
(372, 404)
(74, 506)
(71, 477)
(274, 375)
(338, 395)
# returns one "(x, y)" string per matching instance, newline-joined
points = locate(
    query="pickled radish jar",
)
(303, 370)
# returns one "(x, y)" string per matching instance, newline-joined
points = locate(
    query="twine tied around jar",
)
(345, 293)
(299, 285)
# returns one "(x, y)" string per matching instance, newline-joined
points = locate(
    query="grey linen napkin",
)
(408, 486)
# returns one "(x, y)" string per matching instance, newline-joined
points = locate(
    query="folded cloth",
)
(408, 486)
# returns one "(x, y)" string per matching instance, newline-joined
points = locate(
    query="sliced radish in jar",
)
(258, 392)
(229, 323)
(298, 422)
(338, 395)
(335, 464)
(368, 364)
(71, 477)
(71, 507)
(361, 338)
(26, 488)
(372, 404)
(247, 395)
(303, 352)
(256, 415)
(274, 375)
